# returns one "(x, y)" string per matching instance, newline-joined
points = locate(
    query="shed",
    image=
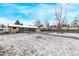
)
(21, 28)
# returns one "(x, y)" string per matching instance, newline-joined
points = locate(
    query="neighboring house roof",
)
(73, 28)
(22, 26)
(69, 28)
(3, 28)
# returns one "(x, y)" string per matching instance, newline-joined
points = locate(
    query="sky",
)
(28, 13)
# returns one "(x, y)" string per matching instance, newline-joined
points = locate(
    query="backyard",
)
(38, 44)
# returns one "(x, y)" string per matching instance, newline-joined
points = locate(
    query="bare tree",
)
(75, 22)
(38, 23)
(46, 23)
(2, 26)
(60, 17)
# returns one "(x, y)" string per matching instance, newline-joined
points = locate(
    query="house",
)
(21, 28)
(4, 30)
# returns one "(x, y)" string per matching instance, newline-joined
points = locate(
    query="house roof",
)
(3, 27)
(22, 26)
(69, 28)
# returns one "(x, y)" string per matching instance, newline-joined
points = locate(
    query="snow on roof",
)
(22, 26)
(73, 28)
(69, 28)
(3, 27)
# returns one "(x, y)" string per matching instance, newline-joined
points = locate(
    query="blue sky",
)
(28, 13)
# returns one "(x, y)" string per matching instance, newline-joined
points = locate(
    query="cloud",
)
(28, 13)
(28, 23)
(6, 21)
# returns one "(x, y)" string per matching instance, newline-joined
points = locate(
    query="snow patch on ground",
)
(39, 45)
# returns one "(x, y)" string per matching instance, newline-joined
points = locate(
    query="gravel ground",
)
(38, 45)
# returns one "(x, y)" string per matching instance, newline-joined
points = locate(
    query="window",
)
(14, 27)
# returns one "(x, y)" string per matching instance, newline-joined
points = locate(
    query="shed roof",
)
(22, 26)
